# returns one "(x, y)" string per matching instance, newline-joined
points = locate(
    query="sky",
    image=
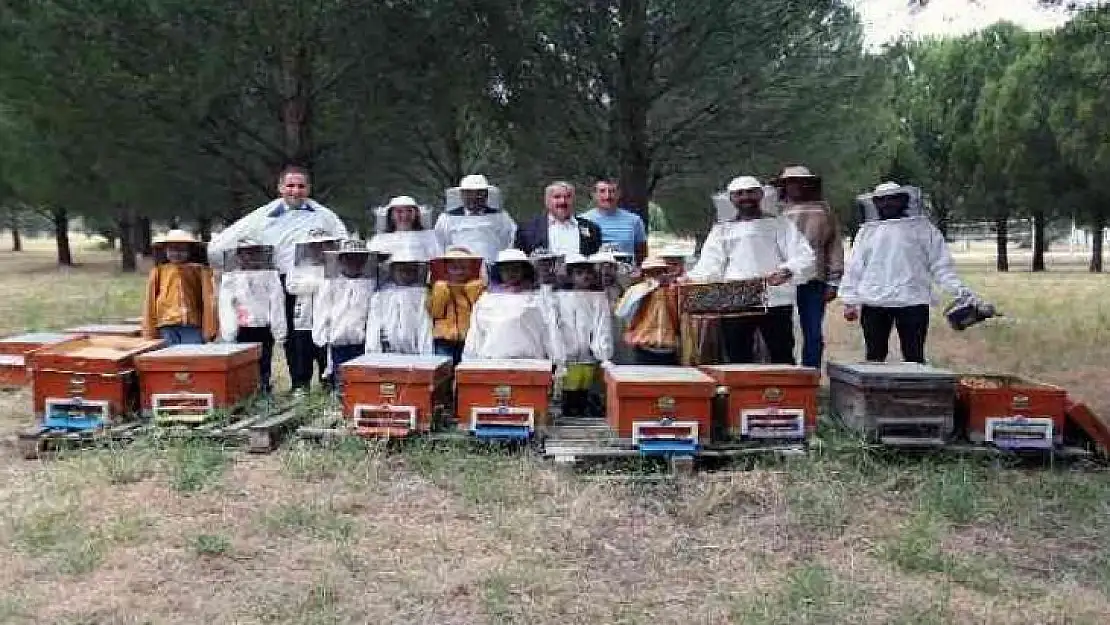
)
(885, 20)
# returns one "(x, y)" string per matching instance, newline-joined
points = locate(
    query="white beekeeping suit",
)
(585, 319)
(343, 303)
(511, 321)
(399, 322)
(896, 260)
(250, 292)
(549, 275)
(307, 275)
(482, 226)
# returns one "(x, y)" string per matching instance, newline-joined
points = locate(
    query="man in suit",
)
(559, 230)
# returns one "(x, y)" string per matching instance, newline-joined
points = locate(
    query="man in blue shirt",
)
(619, 227)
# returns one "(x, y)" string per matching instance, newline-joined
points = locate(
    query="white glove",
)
(605, 364)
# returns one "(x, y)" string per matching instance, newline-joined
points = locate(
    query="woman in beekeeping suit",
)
(509, 320)
(403, 224)
(343, 303)
(399, 322)
(473, 217)
(888, 280)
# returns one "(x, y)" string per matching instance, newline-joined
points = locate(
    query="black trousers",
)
(266, 338)
(300, 352)
(912, 323)
(776, 327)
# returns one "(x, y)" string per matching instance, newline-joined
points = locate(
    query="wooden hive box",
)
(189, 383)
(768, 402)
(1011, 412)
(395, 395)
(503, 399)
(14, 370)
(107, 329)
(662, 409)
(900, 404)
(88, 382)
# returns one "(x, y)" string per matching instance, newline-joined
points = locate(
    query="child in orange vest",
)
(456, 286)
(180, 305)
(651, 309)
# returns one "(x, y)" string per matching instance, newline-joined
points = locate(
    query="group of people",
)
(579, 290)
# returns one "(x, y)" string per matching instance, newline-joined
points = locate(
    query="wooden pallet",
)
(579, 442)
(260, 432)
(332, 428)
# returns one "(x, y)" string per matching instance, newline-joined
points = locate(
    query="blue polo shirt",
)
(623, 228)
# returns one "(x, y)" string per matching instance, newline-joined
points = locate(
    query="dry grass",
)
(350, 534)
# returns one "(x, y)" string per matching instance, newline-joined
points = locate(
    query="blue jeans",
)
(811, 316)
(181, 335)
(449, 348)
(341, 354)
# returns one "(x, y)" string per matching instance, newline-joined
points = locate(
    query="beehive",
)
(14, 350)
(662, 409)
(1011, 412)
(88, 382)
(897, 403)
(768, 401)
(503, 399)
(189, 383)
(107, 329)
(394, 395)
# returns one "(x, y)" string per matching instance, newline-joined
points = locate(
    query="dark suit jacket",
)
(533, 234)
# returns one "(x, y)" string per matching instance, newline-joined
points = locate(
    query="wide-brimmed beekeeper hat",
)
(474, 182)
(796, 172)
(402, 200)
(512, 255)
(406, 255)
(175, 236)
(744, 183)
(654, 262)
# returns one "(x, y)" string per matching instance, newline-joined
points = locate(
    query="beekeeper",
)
(404, 224)
(304, 282)
(180, 303)
(251, 302)
(888, 281)
(755, 244)
(280, 224)
(399, 322)
(509, 320)
(343, 304)
(585, 328)
(473, 218)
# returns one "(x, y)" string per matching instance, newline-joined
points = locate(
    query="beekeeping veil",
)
(196, 252)
(453, 196)
(549, 265)
(249, 255)
(311, 251)
(353, 261)
(406, 268)
(381, 213)
(726, 211)
(869, 212)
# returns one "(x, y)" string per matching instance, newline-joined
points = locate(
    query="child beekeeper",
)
(252, 302)
(180, 304)
(399, 322)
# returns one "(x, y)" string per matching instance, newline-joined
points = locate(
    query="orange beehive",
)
(108, 329)
(14, 351)
(394, 395)
(768, 401)
(87, 382)
(502, 399)
(189, 383)
(1008, 411)
(665, 409)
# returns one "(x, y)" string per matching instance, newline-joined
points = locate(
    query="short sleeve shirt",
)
(622, 228)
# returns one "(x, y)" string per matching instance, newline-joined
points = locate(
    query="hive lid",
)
(39, 338)
(399, 361)
(207, 349)
(105, 328)
(505, 365)
(762, 368)
(635, 373)
(899, 370)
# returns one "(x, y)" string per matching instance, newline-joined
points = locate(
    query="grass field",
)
(195, 534)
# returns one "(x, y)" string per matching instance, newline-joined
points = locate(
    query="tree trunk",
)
(127, 237)
(145, 241)
(61, 236)
(1098, 226)
(1002, 243)
(204, 228)
(632, 103)
(1038, 240)
(17, 238)
(296, 110)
